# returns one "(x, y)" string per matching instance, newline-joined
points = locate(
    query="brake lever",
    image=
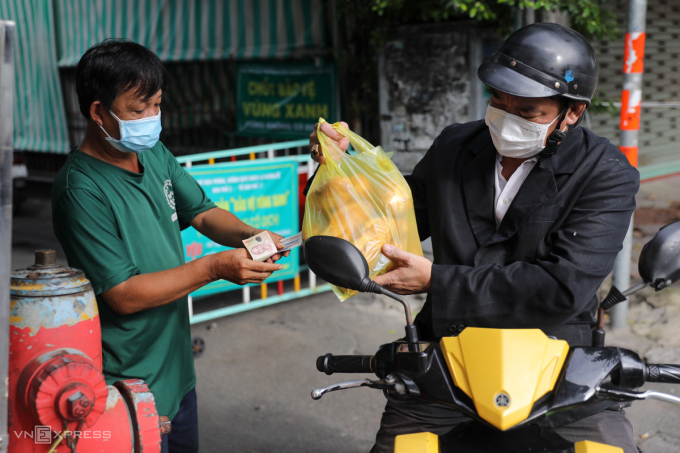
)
(318, 393)
(627, 395)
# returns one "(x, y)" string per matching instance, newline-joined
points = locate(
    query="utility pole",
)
(6, 160)
(631, 98)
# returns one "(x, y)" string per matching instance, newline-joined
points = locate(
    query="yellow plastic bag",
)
(364, 199)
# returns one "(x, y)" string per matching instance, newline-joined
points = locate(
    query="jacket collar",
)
(564, 160)
(478, 187)
(538, 187)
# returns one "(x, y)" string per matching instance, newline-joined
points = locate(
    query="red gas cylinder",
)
(58, 397)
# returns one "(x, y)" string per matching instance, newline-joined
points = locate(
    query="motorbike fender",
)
(587, 446)
(419, 443)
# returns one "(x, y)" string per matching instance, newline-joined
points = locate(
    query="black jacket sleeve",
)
(417, 181)
(305, 191)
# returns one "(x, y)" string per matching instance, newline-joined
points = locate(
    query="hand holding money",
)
(262, 247)
(237, 266)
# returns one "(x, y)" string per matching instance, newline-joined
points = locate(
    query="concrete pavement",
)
(258, 370)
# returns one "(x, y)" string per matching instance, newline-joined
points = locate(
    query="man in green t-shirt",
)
(118, 206)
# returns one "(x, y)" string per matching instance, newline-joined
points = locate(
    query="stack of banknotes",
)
(262, 247)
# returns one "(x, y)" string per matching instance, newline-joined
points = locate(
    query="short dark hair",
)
(565, 103)
(114, 66)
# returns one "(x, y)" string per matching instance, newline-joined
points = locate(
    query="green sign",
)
(284, 101)
(263, 194)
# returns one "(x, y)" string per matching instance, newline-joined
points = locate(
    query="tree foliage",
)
(587, 16)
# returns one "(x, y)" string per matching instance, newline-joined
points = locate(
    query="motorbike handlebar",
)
(669, 374)
(330, 364)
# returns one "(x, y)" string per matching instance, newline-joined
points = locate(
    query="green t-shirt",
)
(114, 224)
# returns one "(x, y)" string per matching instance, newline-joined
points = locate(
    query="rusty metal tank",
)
(57, 391)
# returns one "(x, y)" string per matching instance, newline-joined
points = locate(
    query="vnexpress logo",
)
(44, 434)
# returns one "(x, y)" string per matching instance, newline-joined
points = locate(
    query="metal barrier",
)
(268, 152)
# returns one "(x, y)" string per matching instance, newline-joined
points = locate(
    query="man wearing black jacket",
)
(526, 212)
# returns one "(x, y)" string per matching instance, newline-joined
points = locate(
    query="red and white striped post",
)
(631, 100)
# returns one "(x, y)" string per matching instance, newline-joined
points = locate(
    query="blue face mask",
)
(136, 136)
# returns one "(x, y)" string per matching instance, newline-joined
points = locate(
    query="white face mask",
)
(514, 136)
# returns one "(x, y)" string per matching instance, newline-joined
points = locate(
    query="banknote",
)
(291, 242)
(260, 246)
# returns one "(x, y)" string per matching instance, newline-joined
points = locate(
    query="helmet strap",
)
(554, 139)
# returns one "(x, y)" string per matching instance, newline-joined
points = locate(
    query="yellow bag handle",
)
(330, 151)
(360, 144)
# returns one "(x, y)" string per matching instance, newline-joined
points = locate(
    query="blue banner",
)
(263, 194)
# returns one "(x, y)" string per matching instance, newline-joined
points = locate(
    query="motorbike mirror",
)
(659, 266)
(659, 263)
(341, 264)
(337, 261)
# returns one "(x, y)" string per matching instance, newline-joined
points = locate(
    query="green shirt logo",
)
(169, 193)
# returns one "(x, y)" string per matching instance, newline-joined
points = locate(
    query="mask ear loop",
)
(102, 127)
(107, 134)
(554, 139)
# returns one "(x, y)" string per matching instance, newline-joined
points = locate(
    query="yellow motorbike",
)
(515, 384)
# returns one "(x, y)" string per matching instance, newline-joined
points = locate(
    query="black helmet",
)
(543, 60)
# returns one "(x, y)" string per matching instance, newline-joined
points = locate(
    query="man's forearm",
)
(222, 227)
(145, 291)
